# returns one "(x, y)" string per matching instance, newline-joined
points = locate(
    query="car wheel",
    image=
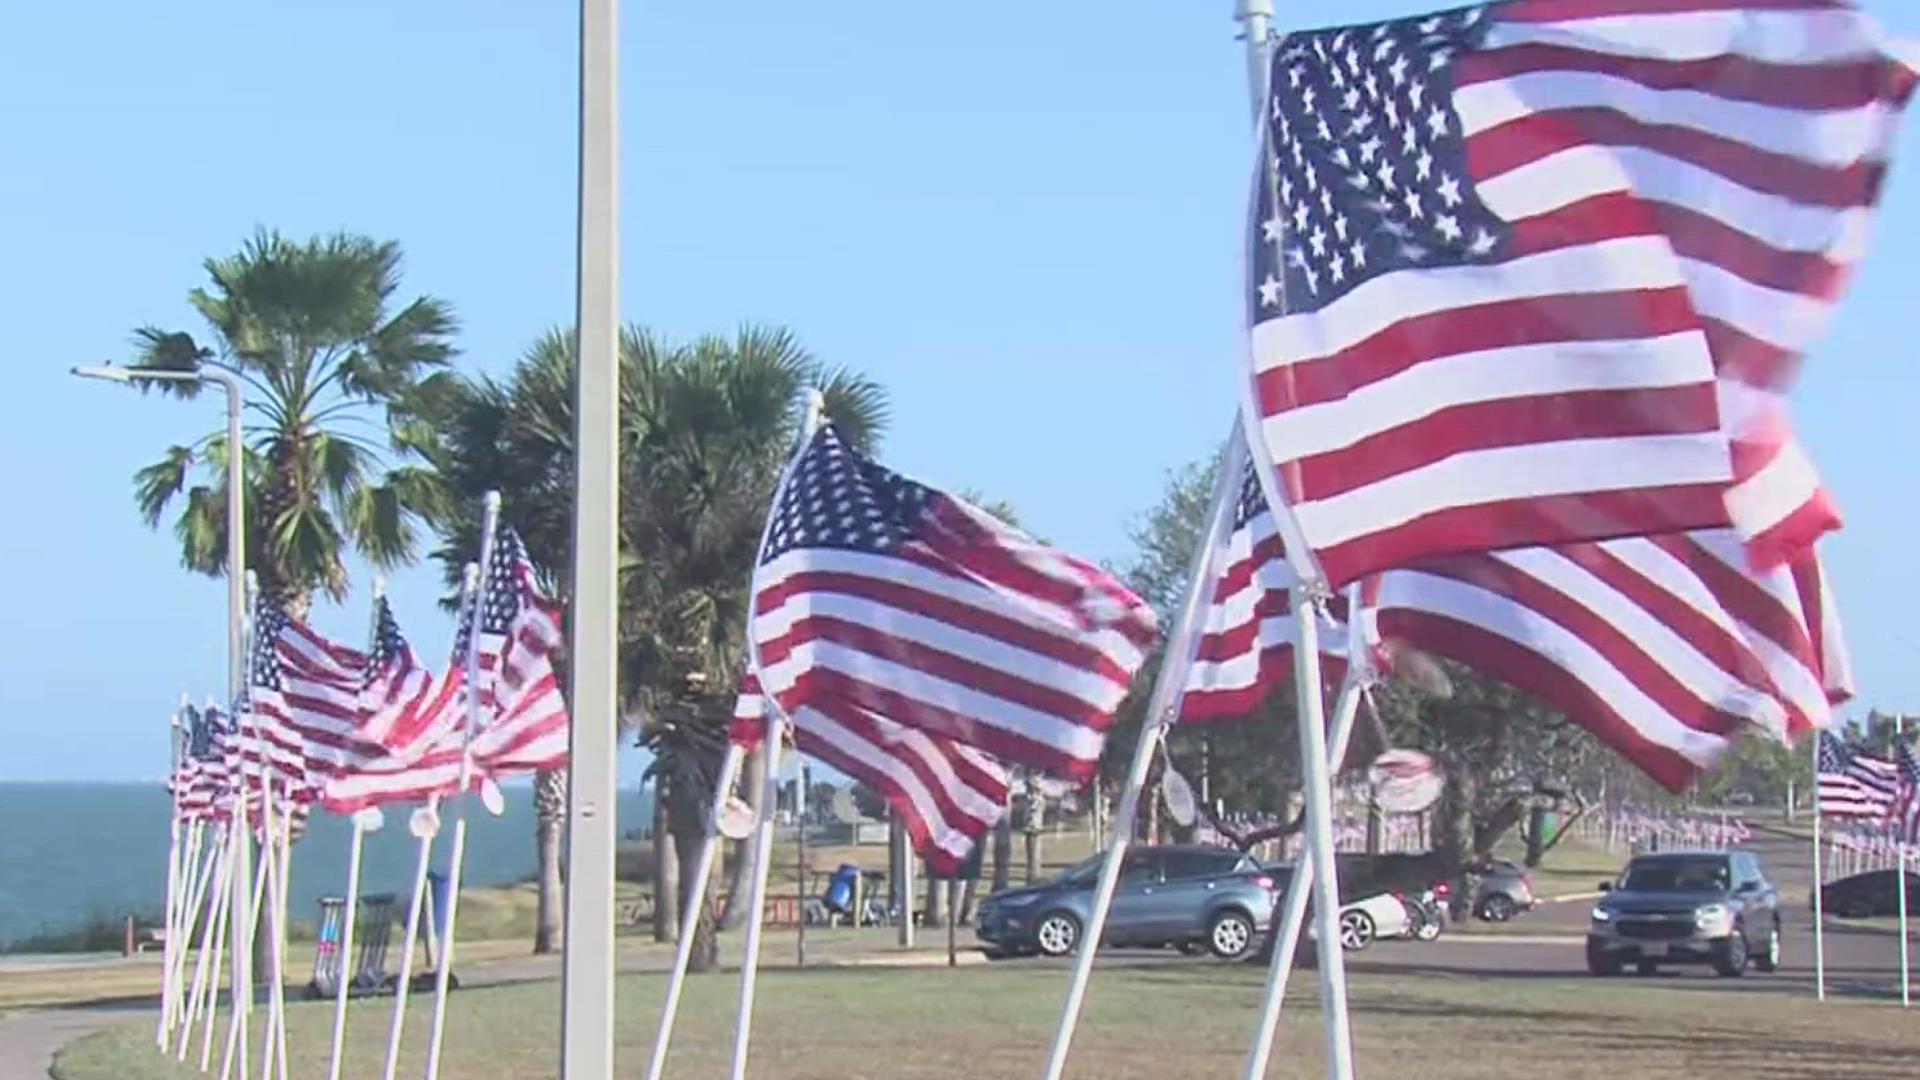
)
(1646, 967)
(1230, 935)
(1427, 927)
(1730, 956)
(1497, 908)
(1356, 930)
(1600, 963)
(1769, 958)
(1057, 934)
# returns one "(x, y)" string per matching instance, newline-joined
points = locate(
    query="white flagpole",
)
(239, 1037)
(344, 950)
(180, 931)
(213, 923)
(1900, 849)
(1162, 707)
(694, 890)
(757, 895)
(425, 825)
(815, 413)
(279, 838)
(1316, 779)
(1286, 932)
(489, 522)
(243, 908)
(270, 908)
(171, 917)
(1819, 917)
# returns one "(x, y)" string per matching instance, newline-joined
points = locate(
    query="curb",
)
(1569, 898)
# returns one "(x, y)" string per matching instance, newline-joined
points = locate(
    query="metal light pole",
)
(236, 488)
(236, 597)
(586, 1003)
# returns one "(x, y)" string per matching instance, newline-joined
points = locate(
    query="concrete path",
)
(29, 1039)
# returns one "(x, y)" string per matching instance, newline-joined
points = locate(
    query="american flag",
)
(200, 780)
(304, 693)
(401, 700)
(948, 795)
(1247, 628)
(524, 721)
(1664, 647)
(875, 593)
(1851, 784)
(422, 715)
(1904, 815)
(1506, 261)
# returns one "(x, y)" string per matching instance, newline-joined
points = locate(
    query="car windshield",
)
(1084, 870)
(1676, 875)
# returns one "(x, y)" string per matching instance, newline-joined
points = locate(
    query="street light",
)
(236, 500)
(236, 616)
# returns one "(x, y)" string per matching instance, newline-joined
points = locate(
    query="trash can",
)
(839, 897)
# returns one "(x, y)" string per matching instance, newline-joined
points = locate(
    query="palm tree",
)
(331, 369)
(705, 428)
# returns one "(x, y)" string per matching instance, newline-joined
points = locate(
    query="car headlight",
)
(1710, 914)
(1601, 914)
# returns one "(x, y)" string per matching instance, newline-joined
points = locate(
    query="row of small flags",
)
(324, 724)
(1882, 792)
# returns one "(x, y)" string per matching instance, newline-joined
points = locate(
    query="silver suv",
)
(1709, 907)
(1195, 898)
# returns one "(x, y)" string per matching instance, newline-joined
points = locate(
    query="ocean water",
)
(73, 852)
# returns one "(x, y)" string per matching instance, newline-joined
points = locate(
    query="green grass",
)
(1141, 1024)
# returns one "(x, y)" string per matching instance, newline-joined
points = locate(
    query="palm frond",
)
(156, 485)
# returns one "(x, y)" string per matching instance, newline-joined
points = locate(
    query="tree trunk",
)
(549, 819)
(1033, 855)
(969, 891)
(934, 913)
(687, 812)
(1003, 851)
(666, 869)
(740, 871)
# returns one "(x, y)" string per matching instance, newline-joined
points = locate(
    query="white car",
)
(1361, 921)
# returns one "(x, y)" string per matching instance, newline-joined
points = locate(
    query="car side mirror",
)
(1606, 886)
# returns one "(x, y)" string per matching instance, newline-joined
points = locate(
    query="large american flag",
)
(1507, 260)
(524, 721)
(877, 593)
(1853, 784)
(1247, 630)
(947, 795)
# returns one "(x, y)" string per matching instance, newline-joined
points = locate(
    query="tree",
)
(705, 429)
(332, 370)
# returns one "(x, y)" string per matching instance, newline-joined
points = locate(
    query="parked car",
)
(1505, 890)
(1367, 913)
(1708, 907)
(1876, 892)
(1190, 896)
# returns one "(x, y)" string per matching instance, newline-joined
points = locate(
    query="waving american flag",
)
(525, 725)
(1519, 270)
(1853, 784)
(947, 795)
(877, 594)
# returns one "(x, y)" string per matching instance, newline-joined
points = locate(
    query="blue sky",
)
(1020, 217)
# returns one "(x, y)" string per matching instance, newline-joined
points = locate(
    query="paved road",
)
(1545, 943)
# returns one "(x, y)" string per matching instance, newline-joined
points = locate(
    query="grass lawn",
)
(1141, 1024)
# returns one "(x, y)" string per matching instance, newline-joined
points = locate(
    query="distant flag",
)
(1904, 815)
(1853, 784)
(1247, 629)
(525, 725)
(1664, 647)
(878, 595)
(1509, 260)
(948, 795)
